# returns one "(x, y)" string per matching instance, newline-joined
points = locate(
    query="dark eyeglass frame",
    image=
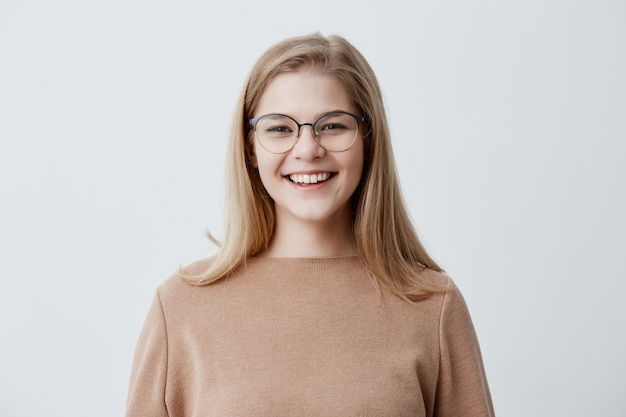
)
(359, 119)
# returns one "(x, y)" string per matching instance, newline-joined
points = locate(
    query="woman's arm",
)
(146, 394)
(462, 388)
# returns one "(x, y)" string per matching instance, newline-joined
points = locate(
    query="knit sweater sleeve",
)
(462, 388)
(146, 395)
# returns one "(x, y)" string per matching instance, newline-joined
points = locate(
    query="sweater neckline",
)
(319, 260)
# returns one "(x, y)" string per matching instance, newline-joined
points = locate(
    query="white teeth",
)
(309, 179)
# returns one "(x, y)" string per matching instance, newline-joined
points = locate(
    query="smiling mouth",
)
(309, 179)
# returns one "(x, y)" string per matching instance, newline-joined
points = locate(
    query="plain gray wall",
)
(508, 119)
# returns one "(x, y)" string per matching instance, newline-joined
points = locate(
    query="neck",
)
(312, 240)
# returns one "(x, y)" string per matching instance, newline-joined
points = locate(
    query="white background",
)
(509, 127)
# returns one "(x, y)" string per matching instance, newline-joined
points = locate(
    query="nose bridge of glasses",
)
(301, 125)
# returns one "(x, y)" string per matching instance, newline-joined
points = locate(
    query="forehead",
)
(304, 94)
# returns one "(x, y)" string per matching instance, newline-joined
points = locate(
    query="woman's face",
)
(309, 183)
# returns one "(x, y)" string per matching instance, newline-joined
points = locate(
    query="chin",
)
(321, 215)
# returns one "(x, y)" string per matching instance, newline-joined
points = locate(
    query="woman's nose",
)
(307, 147)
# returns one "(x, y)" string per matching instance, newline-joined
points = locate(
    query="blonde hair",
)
(385, 237)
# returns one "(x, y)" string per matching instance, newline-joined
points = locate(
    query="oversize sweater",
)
(306, 337)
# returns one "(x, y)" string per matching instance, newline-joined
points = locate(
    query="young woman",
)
(322, 300)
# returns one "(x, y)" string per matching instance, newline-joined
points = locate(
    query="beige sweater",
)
(305, 337)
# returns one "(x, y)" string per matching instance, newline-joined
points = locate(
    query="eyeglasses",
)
(335, 131)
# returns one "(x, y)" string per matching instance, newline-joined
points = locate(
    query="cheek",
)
(268, 165)
(357, 162)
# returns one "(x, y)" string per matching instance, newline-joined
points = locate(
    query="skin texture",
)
(316, 219)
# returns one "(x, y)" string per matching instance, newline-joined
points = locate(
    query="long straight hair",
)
(385, 237)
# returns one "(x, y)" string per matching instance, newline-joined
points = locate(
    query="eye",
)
(333, 129)
(276, 126)
(335, 124)
(278, 129)
(332, 126)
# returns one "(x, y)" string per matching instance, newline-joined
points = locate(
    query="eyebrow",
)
(316, 115)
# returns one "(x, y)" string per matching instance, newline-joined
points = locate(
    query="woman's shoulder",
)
(176, 284)
(446, 284)
(426, 284)
(439, 278)
(449, 300)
